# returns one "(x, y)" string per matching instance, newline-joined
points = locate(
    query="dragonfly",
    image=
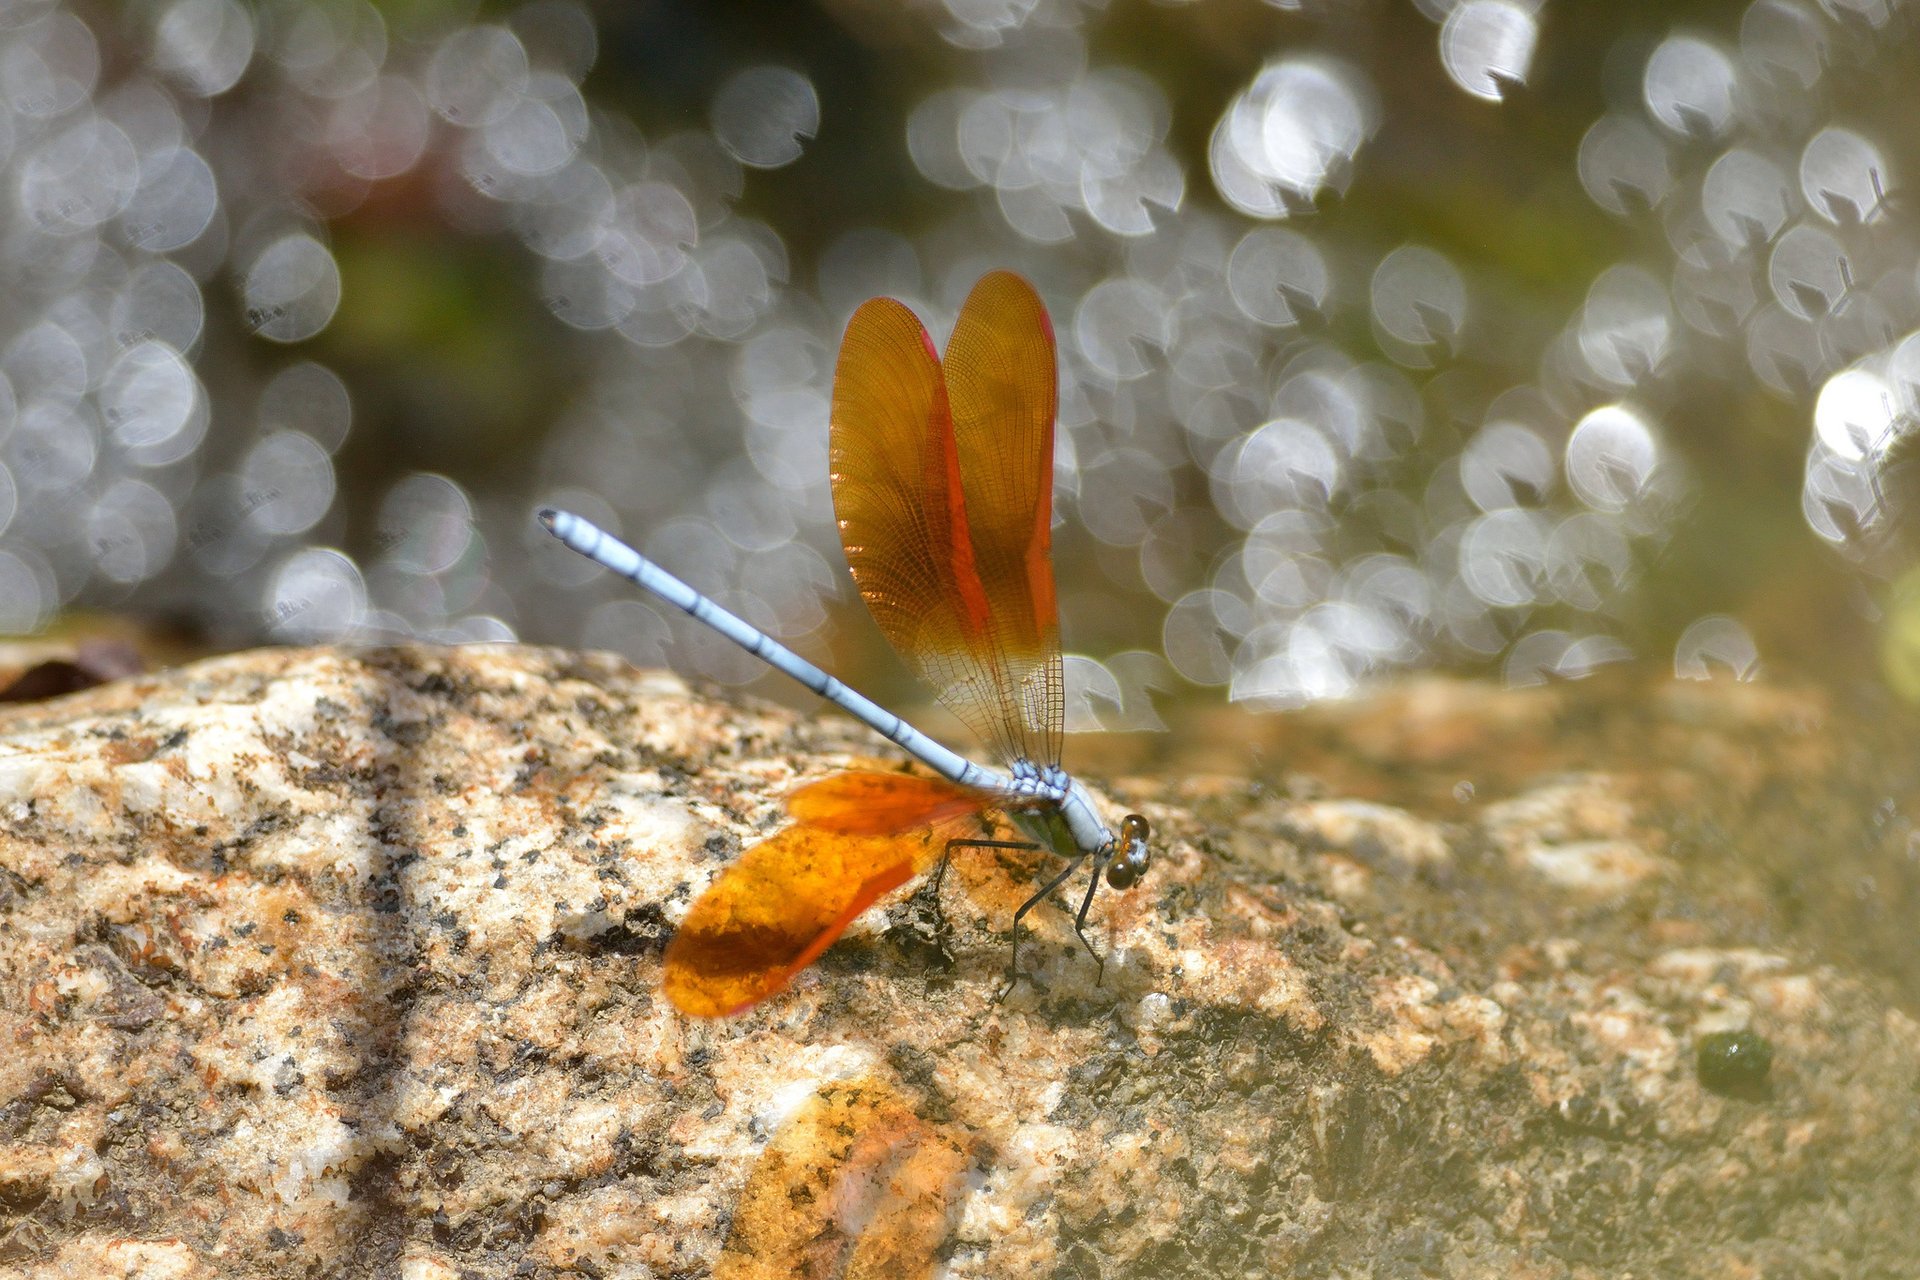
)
(942, 479)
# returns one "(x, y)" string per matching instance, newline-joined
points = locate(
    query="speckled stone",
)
(329, 963)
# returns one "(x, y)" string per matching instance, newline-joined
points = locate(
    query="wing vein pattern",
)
(942, 484)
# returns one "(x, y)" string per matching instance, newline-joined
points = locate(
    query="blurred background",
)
(1515, 337)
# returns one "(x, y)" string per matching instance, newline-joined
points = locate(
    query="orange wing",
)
(1004, 389)
(942, 484)
(787, 898)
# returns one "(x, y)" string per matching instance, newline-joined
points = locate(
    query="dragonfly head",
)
(1131, 857)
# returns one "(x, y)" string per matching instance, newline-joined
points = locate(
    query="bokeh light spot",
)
(291, 289)
(762, 114)
(1487, 46)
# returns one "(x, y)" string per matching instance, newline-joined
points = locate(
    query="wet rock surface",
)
(346, 963)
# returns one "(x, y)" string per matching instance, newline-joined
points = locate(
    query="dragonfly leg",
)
(946, 855)
(1013, 960)
(1079, 926)
(940, 872)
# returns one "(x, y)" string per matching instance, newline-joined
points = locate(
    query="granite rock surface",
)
(346, 963)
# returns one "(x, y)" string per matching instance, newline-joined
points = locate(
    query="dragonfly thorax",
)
(1030, 779)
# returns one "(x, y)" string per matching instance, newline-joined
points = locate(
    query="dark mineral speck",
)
(1734, 1064)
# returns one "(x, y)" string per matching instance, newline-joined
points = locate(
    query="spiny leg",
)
(1013, 960)
(1080, 921)
(946, 855)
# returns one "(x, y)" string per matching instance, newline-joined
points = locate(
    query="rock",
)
(1579, 835)
(346, 963)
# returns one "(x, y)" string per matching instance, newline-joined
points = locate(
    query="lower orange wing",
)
(769, 915)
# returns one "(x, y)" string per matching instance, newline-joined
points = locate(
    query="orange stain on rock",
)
(855, 1186)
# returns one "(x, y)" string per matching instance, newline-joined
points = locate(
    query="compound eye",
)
(1133, 857)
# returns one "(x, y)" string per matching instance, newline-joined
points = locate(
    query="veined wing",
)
(1003, 385)
(965, 596)
(855, 837)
